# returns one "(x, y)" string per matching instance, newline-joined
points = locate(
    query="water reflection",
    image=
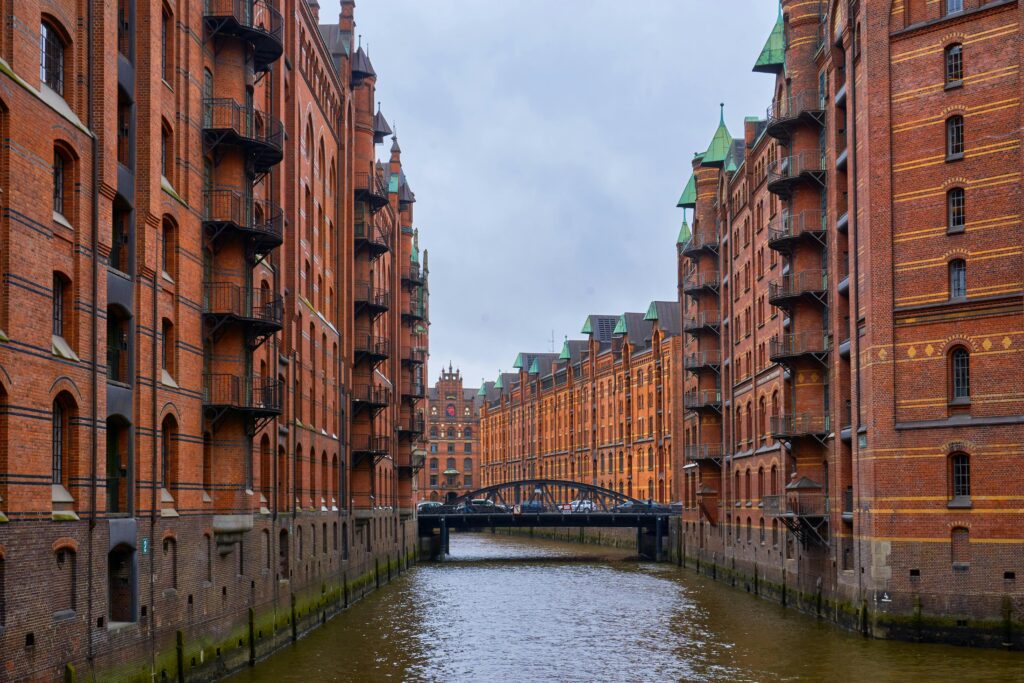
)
(507, 609)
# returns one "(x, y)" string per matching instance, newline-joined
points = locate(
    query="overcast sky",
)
(547, 142)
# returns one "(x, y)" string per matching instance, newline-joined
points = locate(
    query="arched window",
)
(167, 44)
(467, 465)
(120, 243)
(51, 56)
(451, 433)
(957, 279)
(266, 489)
(954, 58)
(760, 482)
(62, 590)
(170, 562)
(746, 483)
(63, 443)
(169, 453)
(433, 432)
(169, 248)
(960, 374)
(954, 137)
(960, 477)
(956, 213)
(650, 459)
(762, 420)
(63, 181)
(467, 432)
(960, 547)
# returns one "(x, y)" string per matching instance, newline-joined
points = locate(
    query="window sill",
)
(954, 157)
(962, 401)
(60, 348)
(59, 218)
(960, 503)
(953, 85)
(166, 276)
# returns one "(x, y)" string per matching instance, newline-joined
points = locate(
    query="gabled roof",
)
(573, 350)
(667, 315)
(688, 199)
(803, 483)
(772, 59)
(720, 144)
(542, 363)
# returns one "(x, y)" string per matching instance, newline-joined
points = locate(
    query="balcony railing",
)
(811, 503)
(701, 399)
(228, 122)
(370, 395)
(703, 360)
(709, 452)
(799, 425)
(255, 394)
(415, 354)
(372, 238)
(370, 299)
(700, 242)
(787, 113)
(371, 346)
(785, 173)
(413, 389)
(253, 20)
(702, 280)
(258, 219)
(792, 346)
(793, 286)
(372, 187)
(414, 274)
(787, 229)
(416, 310)
(705, 321)
(364, 444)
(259, 306)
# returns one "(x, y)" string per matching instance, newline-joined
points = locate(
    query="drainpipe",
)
(854, 290)
(94, 345)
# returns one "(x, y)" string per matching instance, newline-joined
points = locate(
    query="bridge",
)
(529, 503)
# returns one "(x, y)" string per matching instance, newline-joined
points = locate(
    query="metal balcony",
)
(800, 425)
(703, 361)
(703, 281)
(787, 348)
(785, 231)
(370, 398)
(789, 113)
(703, 400)
(415, 311)
(414, 355)
(258, 311)
(371, 300)
(803, 509)
(371, 348)
(413, 275)
(255, 399)
(794, 287)
(700, 243)
(227, 123)
(369, 447)
(258, 221)
(254, 21)
(409, 428)
(414, 389)
(372, 239)
(785, 174)
(371, 187)
(708, 321)
(709, 452)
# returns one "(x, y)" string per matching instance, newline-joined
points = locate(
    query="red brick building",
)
(453, 459)
(607, 410)
(193, 190)
(852, 297)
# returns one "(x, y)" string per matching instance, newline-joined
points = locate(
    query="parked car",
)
(428, 507)
(640, 506)
(476, 505)
(582, 505)
(530, 506)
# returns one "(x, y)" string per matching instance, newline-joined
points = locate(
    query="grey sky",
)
(547, 142)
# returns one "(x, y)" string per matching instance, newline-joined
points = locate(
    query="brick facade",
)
(856, 444)
(452, 468)
(244, 457)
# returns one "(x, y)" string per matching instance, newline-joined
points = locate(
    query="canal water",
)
(517, 610)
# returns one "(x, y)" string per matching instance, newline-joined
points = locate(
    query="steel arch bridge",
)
(527, 503)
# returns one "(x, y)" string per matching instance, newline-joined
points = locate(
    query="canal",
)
(523, 610)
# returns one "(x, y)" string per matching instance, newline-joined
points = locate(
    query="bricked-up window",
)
(171, 562)
(955, 209)
(954, 64)
(207, 462)
(960, 547)
(51, 57)
(954, 6)
(954, 138)
(957, 279)
(63, 587)
(960, 374)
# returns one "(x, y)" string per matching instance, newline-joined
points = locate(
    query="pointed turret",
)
(720, 145)
(381, 129)
(688, 199)
(772, 59)
(361, 67)
(684, 233)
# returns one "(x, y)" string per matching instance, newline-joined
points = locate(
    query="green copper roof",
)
(565, 351)
(499, 384)
(620, 327)
(534, 367)
(414, 255)
(689, 197)
(773, 56)
(730, 165)
(720, 144)
(518, 365)
(393, 183)
(684, 233)
(483, 389)
(587, 329)
(652, 312)
(420, 329)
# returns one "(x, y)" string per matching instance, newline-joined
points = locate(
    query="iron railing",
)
(792, 167)
(703, 452)
(702, 359)
(368, 443)
(797, 344)
(803, 503)
(702, 398)
(247, 393)
(799, 424)
(707, 279)
(256, 303)
(248, 122)
(798, 284)
(791, 226)
(368, 393)
(703, 320)
(787, 109)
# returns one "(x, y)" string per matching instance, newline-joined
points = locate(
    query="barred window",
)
(955, 208)
(960, 362)
(954, 63)
(955, 137)
(961, 475)
(957, 278)
(51, 58)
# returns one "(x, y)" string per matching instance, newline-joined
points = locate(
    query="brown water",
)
(517, 610)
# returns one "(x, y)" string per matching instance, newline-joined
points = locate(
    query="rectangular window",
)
(51, 59)
(58, 305)
(961, 374)
(956, 210)
(58, 183)
(954, 6)
(58, 443)
(961, 476)
(955, 137)
(957, 279)
(954, 64)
